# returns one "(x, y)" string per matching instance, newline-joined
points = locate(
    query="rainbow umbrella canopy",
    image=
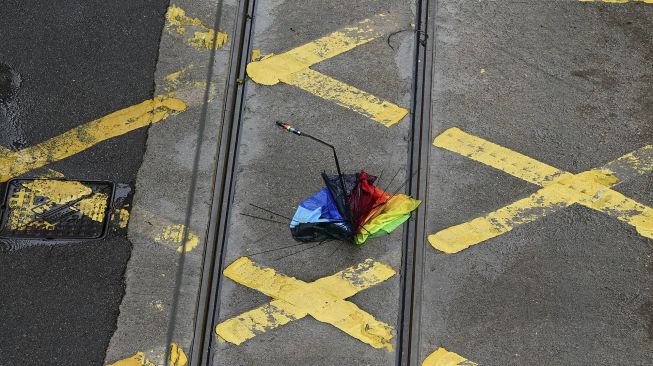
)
(350, 207)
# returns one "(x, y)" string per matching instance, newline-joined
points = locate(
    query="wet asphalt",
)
(64, 63)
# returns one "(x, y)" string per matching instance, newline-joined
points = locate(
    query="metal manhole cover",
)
(55, 209)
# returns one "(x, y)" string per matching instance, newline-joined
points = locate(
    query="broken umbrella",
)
(350, 207)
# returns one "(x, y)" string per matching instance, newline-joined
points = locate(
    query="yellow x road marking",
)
(87, 135)
(560, 189)
(293, 68)
(295, 299)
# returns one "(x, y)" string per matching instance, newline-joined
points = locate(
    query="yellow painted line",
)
(293, 68)
(87, 135)
(442, 357)
(347, 96)
(294, 299)
(202, 38)
(177, 358)
(496, 156)
(561, 189)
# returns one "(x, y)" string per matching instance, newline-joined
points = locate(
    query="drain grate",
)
(55, 209)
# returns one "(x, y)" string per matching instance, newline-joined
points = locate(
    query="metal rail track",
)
(414, 234)
(213, 261)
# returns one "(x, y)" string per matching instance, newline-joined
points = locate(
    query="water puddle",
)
(11, 133)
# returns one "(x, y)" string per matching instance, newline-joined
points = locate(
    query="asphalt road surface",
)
(67, 63)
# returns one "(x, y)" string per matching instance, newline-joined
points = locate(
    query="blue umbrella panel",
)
(317, 218)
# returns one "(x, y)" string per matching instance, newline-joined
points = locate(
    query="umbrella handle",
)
(289, 128)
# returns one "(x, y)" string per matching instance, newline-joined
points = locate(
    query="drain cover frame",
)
(56, 209)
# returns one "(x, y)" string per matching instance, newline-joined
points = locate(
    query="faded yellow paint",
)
(177, 358)
(137, 359)
(56, 192)
(560, 189)
(50, 174)
(158, 305)
(23, 204)
(294, 299)
(203, 38)
(173, 80)
(87, 135)
(162, 230)
(180, 84)
(174, 233)
(293, 68)
(59, 191)
(256, 54)
(442, 357)
(121, 216)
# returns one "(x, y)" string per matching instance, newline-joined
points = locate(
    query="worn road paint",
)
(177, 358)
(174, 233)
(137, 359)
(181, 84)
(56, 192)
(442, 357)
(161, 228)
(173, 80)
(87, 135)
(121, 217)
(203, 38)
(560, 189)
(163, 231)
(23, 204)
(293, 68)
(256, 55)
(294, 299)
